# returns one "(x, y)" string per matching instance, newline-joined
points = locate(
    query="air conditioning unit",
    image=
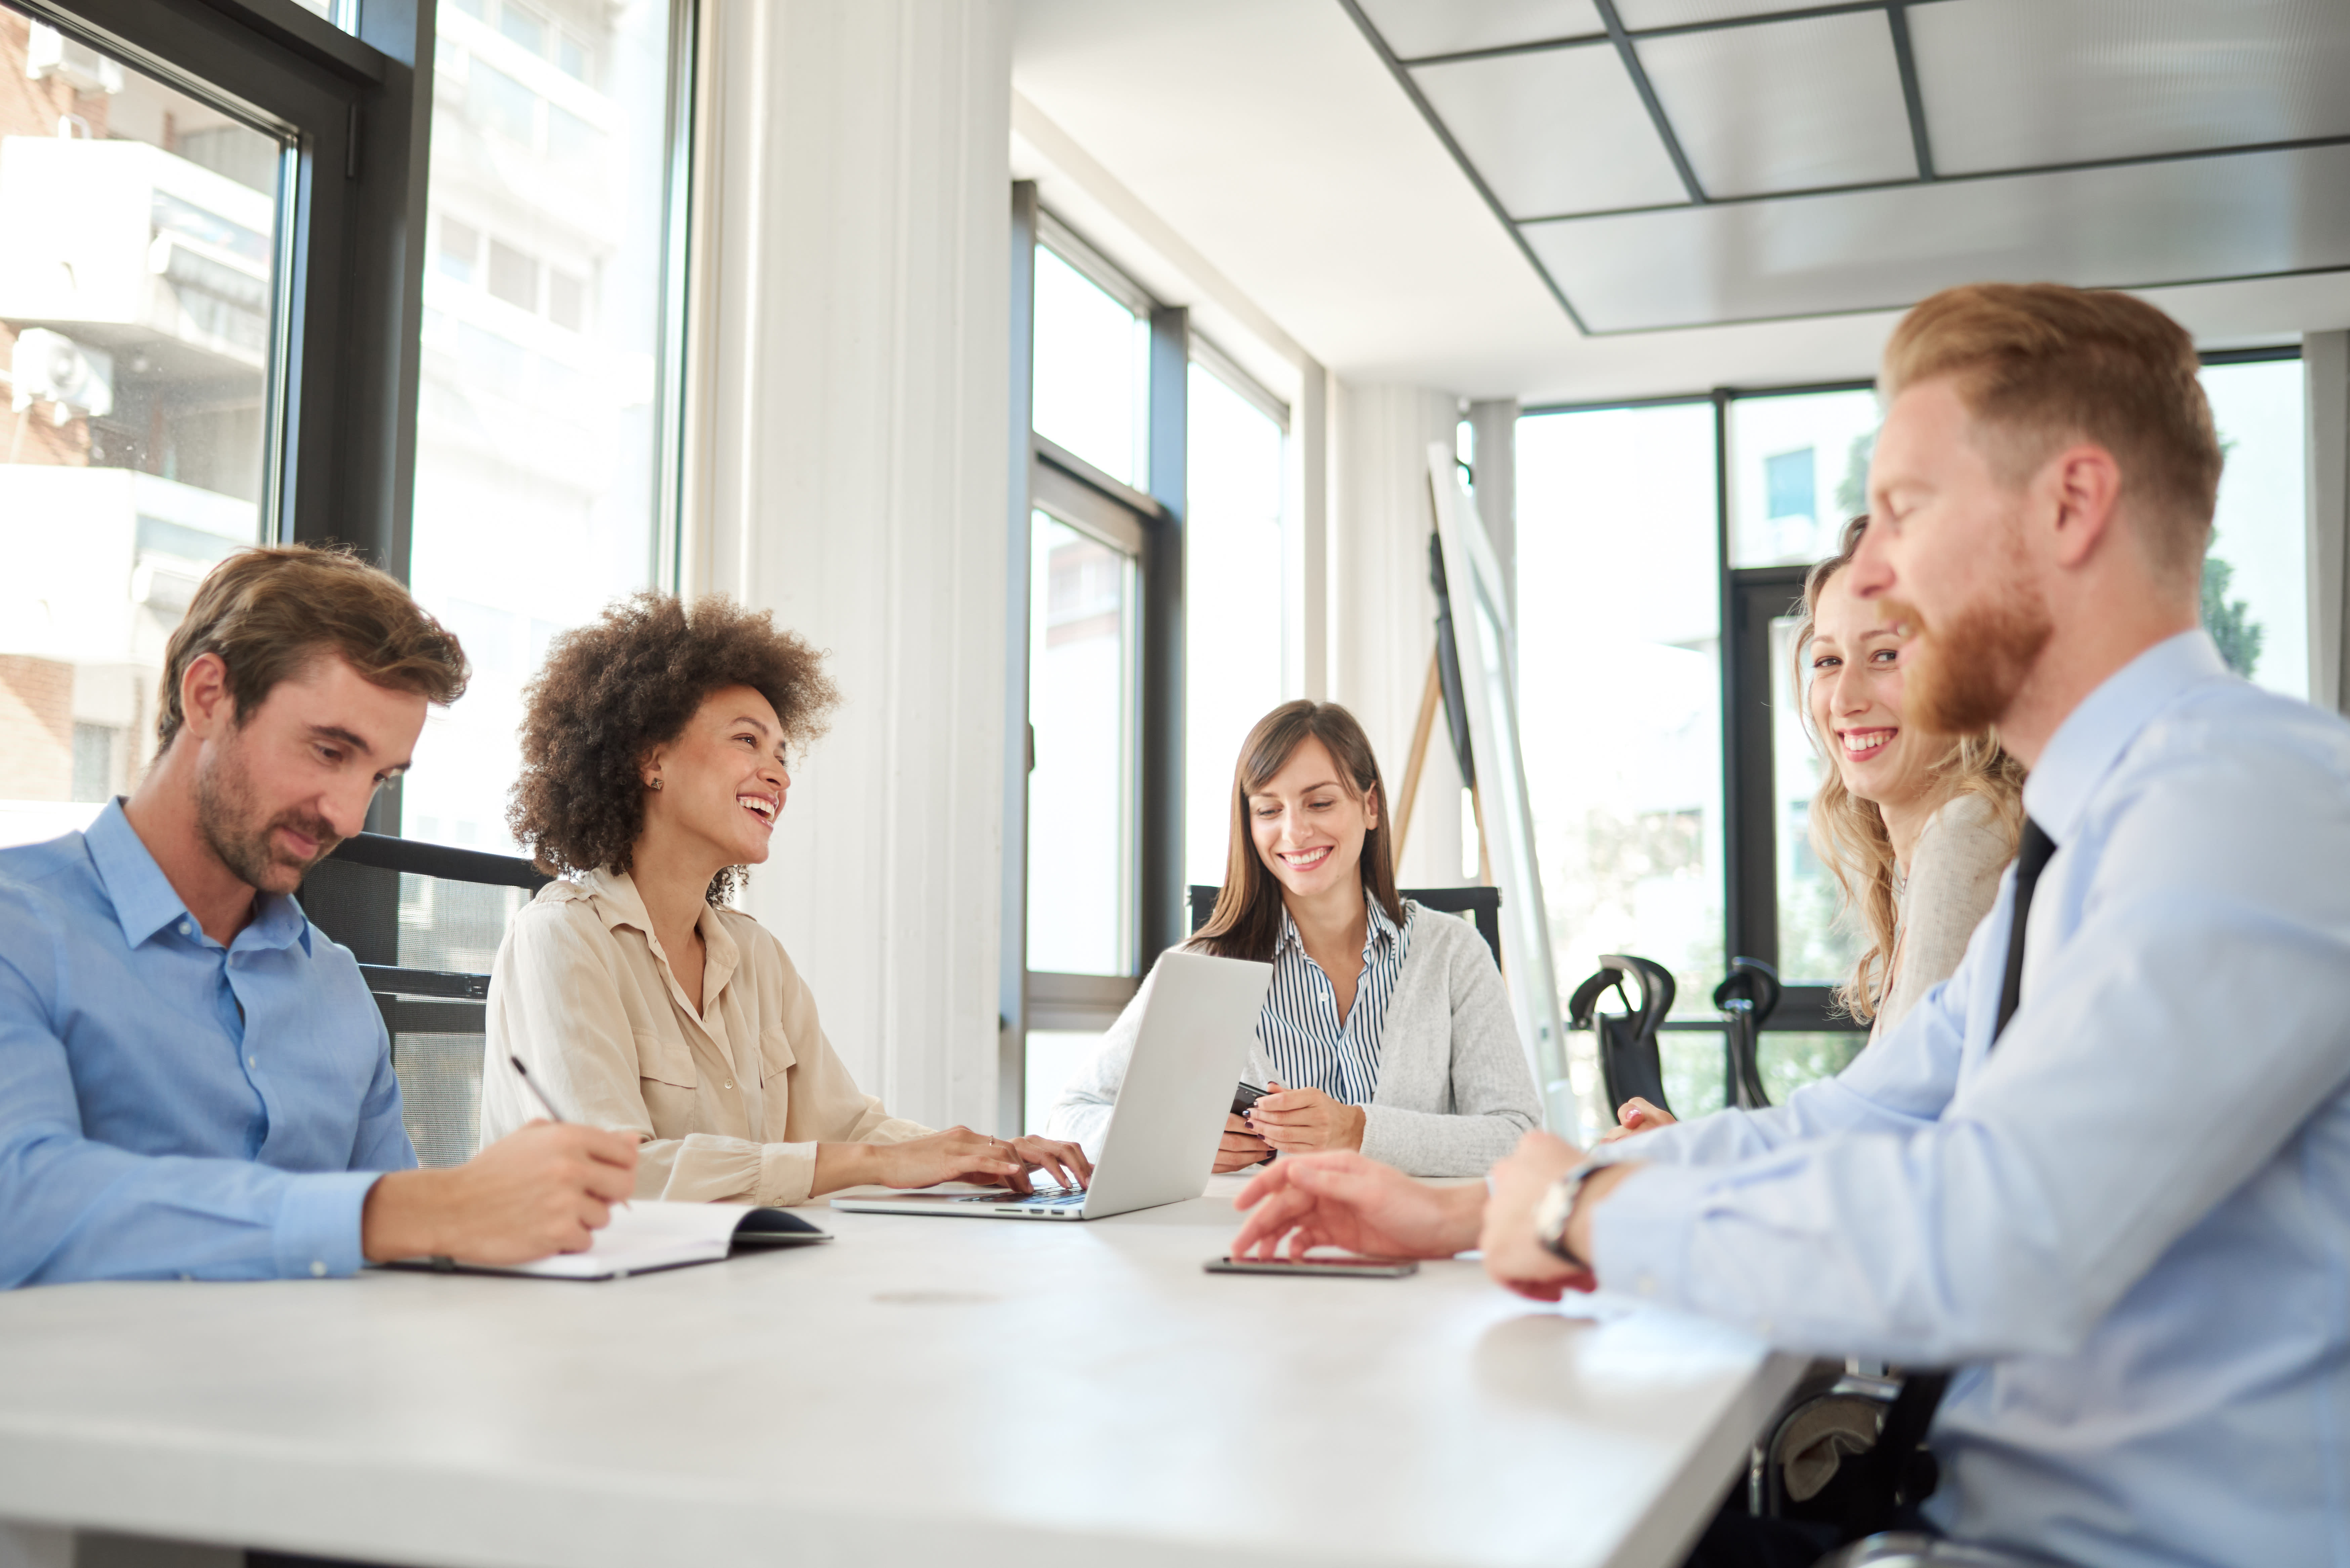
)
(49, 53)
(51, 367)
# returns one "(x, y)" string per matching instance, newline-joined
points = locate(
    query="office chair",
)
(1482, 904)
(1630, 1066)
(1746, 1001)
(425, 920)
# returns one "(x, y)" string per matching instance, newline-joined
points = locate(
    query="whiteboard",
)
(1486, 644)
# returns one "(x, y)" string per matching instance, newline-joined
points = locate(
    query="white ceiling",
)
(1274, 139)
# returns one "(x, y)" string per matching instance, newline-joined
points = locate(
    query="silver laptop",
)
(1163, 1131)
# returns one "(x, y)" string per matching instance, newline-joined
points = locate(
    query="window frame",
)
(1751, 597)
(1149, 524)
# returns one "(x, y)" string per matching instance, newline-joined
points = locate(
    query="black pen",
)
(536, 1092)
(540, 1096)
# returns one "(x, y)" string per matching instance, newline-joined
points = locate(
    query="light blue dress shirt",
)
(2129, 1224)
(170, 1108)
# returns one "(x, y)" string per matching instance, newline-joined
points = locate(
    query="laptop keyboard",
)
(1043, 1198)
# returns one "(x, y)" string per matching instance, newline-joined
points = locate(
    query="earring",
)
(652, 783)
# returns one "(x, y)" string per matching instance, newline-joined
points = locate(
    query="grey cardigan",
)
(1454, 1092)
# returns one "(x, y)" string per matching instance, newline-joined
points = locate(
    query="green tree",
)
(1852, 490)
(2230, 622)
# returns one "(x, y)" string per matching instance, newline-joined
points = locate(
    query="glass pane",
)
(1621, 656)
(2256, 578)
(138, 305)
(1798, 468)
(1092, 372)
(1053, 1056)
(1695, 1067)
(537, 436)
(1233, 637)
(1081, 782)
(1792, 1059)
(1817, 947)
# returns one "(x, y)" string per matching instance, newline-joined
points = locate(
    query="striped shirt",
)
(1305, 1045)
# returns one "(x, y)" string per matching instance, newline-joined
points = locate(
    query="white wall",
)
(1382, 613)
(845, 467)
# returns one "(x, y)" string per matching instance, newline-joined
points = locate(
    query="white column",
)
(1383, 612)
(2325, 363)
(1494, 426)
(1307, 656)
(847, 469)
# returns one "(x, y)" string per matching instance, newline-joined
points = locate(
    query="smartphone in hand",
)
(1244, 1096)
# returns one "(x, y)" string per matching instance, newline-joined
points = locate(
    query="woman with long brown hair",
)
(1386, 1028)
(1916, 826)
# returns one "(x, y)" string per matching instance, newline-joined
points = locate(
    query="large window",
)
(1233, 565)
(539, 423)
(1152, 589)
(142, 317)
(1670, 769)
(1103, 579)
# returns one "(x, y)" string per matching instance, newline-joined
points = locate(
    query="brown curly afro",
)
(614, 689)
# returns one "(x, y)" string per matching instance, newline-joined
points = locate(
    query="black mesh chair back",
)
(1481, 905)
(1746, 1000)
(1629, 1065)
(425, 920)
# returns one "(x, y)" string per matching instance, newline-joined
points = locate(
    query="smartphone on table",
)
(1302, 1267)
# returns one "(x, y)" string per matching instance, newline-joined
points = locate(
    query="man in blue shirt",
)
(2104, 1170)
(193, 1081)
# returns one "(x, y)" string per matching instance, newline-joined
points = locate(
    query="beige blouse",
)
(731, 1101)
(1952, 883)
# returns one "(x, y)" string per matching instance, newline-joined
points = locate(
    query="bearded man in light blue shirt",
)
(194, 1082)
(2104, 1170)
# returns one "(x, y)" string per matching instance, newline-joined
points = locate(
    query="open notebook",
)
(649, 1235)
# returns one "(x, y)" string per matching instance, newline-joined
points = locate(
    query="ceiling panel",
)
(2141, 225)
(1638, 14)
(1786, 106)
(1414, 28)
(2012, 83)
(1558, 132)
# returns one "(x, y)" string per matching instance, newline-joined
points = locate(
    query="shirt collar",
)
(145, 902)
(1378, 930)
(2095, 734)
(613, 896)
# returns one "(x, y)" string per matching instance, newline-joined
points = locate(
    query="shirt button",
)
(317, 1270)
(729, 1085)
(186, 929)
(253, 1060)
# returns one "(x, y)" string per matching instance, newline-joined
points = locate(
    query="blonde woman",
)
(1917, 826)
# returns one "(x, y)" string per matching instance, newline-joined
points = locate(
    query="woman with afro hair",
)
(653, 751)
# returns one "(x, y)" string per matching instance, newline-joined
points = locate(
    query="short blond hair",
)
(2041, 366)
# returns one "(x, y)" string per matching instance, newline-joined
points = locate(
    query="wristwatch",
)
(1557, 1207)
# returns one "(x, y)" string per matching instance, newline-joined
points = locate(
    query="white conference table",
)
(949, 1392)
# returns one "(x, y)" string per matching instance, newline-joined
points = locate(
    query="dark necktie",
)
(1889, 1465)
(2031, 859)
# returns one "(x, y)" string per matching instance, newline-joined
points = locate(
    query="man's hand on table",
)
(547, 1188)
(1514, 1255)
(1346, 1201)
